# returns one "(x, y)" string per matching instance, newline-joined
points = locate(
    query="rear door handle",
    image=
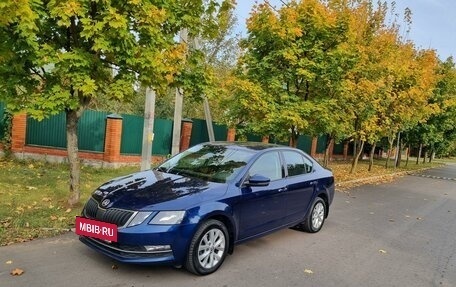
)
(282, 189)
(313, 182)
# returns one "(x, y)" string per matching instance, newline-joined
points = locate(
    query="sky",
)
(433, 22)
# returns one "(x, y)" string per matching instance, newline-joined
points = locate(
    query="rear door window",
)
(296, 163)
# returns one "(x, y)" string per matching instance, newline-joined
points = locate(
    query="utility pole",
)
(148, 130)
(178, 102)
(208, 117)
(207, 109)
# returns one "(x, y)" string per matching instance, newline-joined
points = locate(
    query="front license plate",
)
(96, 229)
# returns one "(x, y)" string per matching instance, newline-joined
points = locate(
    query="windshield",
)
(216, 163)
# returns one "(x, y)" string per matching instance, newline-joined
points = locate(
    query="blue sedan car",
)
(195, 207)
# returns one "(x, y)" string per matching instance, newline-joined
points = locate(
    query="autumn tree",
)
(290, 69)
(220, 50)
(438, 133)
(60, 55)
(388, 87)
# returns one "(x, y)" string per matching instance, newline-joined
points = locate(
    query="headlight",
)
(168, 217)
(139, 218)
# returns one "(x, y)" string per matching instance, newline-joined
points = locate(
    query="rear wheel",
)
(208, 248)
(314, 222)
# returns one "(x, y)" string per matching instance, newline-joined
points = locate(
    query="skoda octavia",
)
(195, 207)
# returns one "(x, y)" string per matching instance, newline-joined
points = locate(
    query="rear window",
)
(296, 163)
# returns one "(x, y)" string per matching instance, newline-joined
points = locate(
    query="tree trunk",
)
(355, 146)
(390, 148)
(355, 159)
(72, 119)
(431, 156)
(371, 156)
(293, 137)
(425, 156)
(399, 155)
(408, 155)
(329, 140)
(419, 154)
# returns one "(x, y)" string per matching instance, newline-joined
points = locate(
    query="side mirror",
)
(258, 180)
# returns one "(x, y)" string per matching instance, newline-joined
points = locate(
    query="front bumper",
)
(127, 254)
(131, 241)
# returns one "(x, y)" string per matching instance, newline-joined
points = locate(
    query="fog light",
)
(157, 248)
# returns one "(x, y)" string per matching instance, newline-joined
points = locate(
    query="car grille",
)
(112, 215)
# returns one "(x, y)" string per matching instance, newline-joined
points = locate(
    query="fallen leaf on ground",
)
(9, 262)
(115, 267)
(31, 188)
(371, 212)
(391, 220)
(68, 210)
(53, 217)
(419, 218)
(382, 251)
(308, 271)
(17, 272)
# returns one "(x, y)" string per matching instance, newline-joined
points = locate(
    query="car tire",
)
(208, 248)
(316, 218)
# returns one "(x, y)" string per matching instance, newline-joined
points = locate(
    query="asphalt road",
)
(401, 233)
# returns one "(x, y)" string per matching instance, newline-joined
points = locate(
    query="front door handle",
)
(282, 189)
(313, 182)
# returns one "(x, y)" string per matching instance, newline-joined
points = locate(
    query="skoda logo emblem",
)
(105, 202)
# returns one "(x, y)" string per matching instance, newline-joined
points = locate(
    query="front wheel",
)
(314, 222)
(208, 248)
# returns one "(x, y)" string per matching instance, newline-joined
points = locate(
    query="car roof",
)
(253, 146)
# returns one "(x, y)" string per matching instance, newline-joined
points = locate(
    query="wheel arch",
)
(325, 198)
(229, 224)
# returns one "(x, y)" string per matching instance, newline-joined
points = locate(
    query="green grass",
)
(34, 197)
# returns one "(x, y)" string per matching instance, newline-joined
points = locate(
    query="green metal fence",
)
(48, 132)
(2, 120)
(253, 138)
(132, 133)
(51, 132)
(199, 132)
(338, 148)
(305, 143)
(321, 144)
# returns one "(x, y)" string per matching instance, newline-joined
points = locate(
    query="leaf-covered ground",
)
(33, 195)
(379, 174)
(33, 198)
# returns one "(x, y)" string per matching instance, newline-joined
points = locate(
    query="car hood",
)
(148, 189)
